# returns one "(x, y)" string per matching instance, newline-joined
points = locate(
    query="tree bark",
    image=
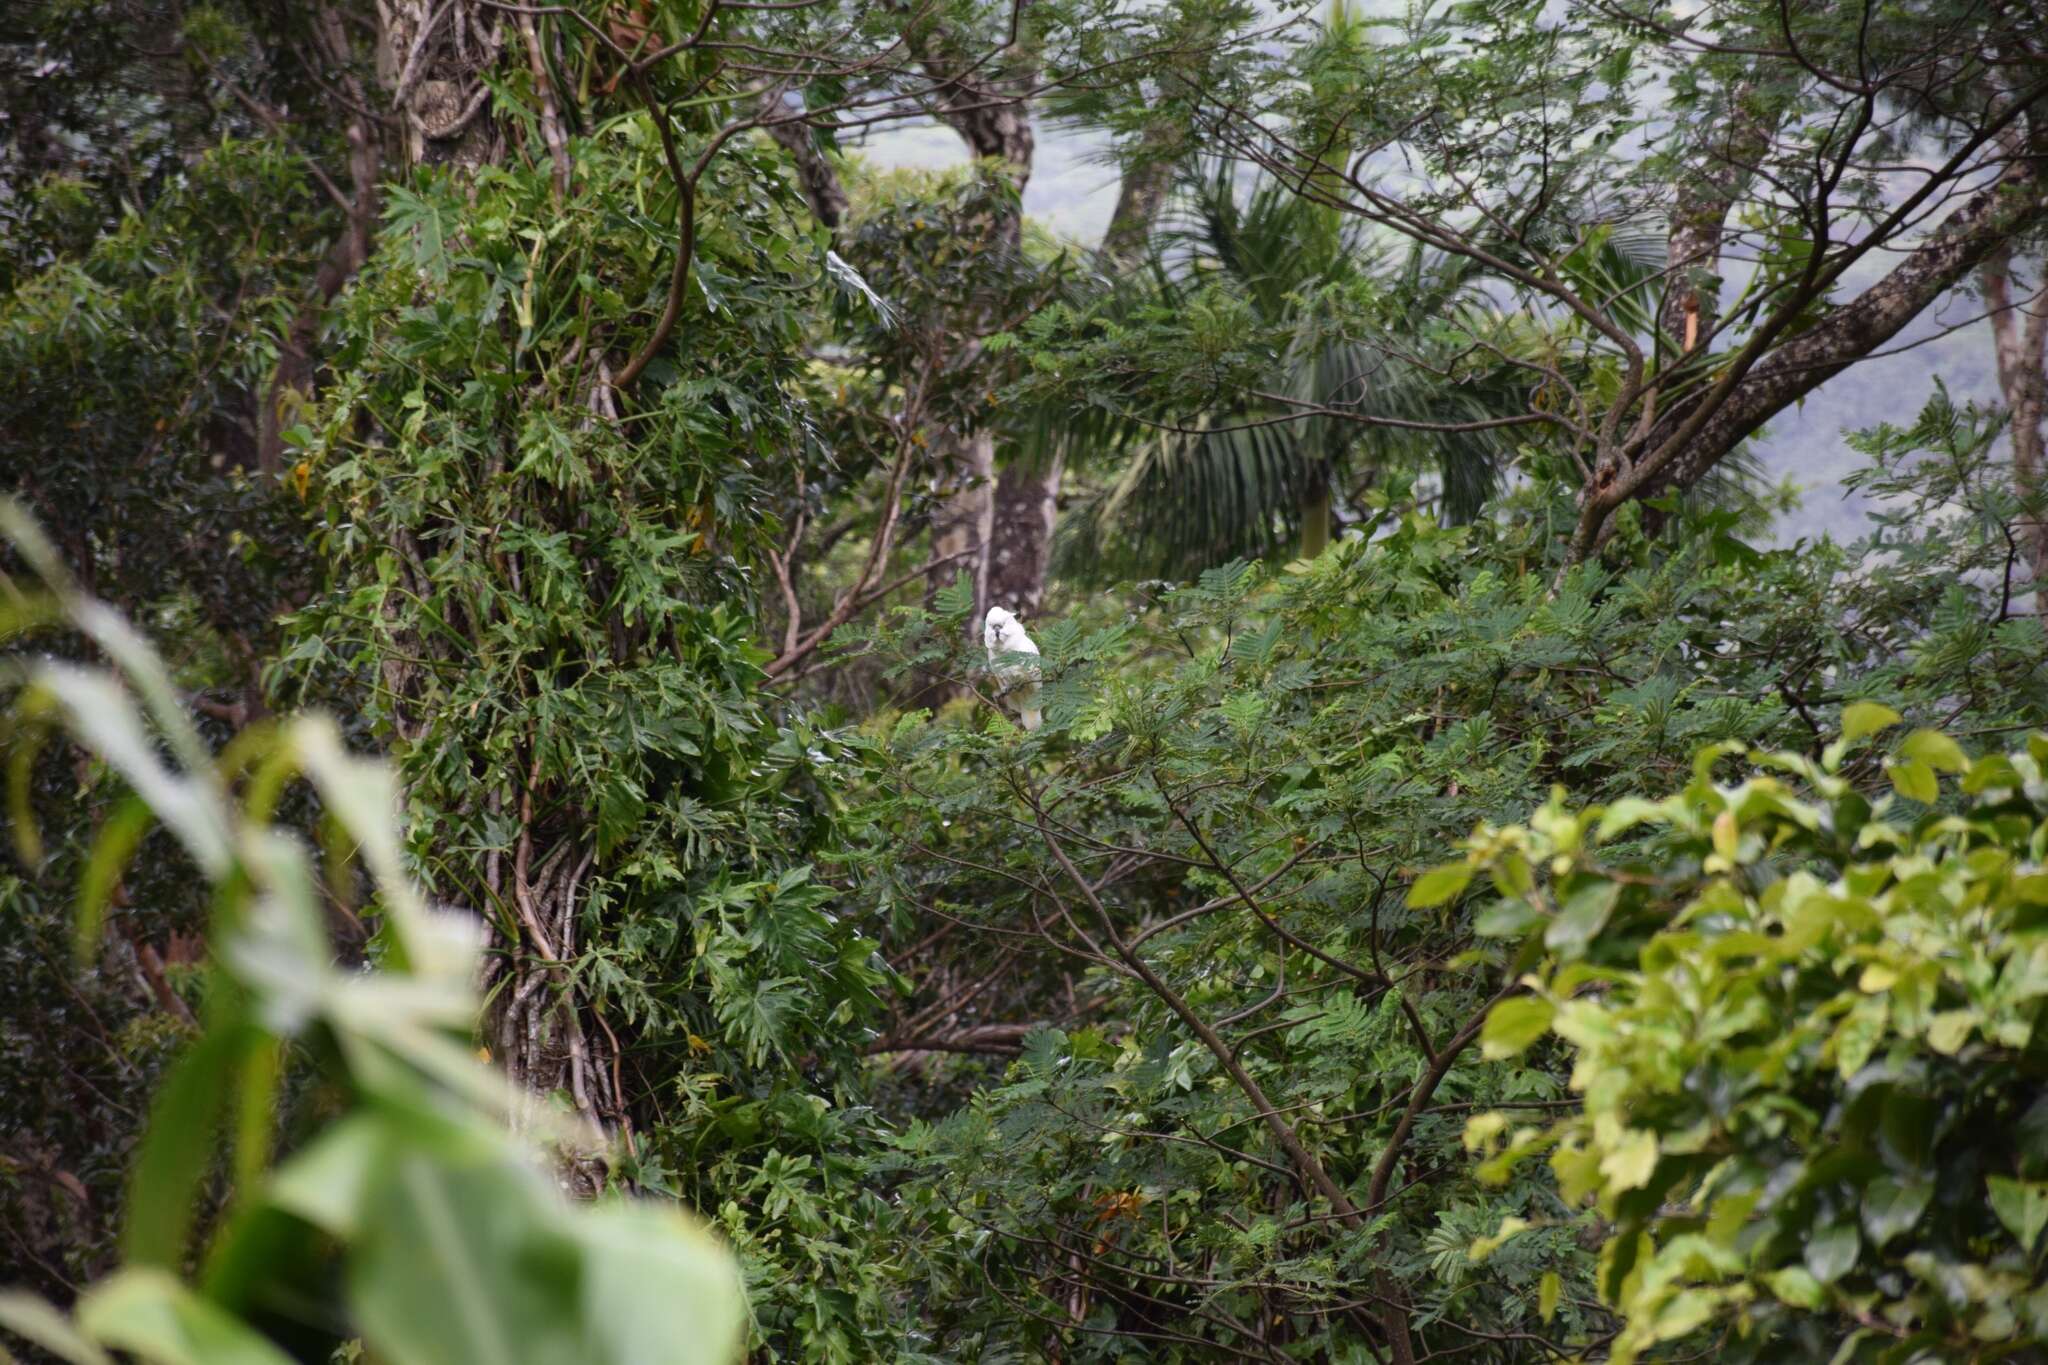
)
(1141, 195)
(814, 173)
(1849, 333)
(2020, 340)
(964, 525)
(1701, 203)
(1690, 438)
(1020, 547)
(292, 382)
(433, 60)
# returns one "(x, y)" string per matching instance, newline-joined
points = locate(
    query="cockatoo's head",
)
(1001, 630)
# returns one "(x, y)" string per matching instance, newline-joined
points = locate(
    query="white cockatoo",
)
(1002, 634)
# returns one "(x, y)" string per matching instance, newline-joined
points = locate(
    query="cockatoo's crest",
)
(1002, 635)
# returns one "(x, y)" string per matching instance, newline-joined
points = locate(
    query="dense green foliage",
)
(1805, 1028)
(1210, 834)
(406, 1222)
(552, 603)
(122, 375)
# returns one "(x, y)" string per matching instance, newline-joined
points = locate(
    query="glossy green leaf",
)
(1439, 884)
(1861, 718)
(1914, 780)
(149, 1313)
(177, 1147)
(1831, 1251)
(2022, 1205)
(1584, 915)
(1513, 1024)
(1936, 750)
(36, 1321)
(1891, 1207)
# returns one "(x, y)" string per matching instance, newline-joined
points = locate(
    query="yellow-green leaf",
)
(1439, 884)
(1936, 750)
(1513, 1025)
(1949, 1030)
(1484, 1247)
(2022, 1205)
(1630, 1162)
(111, 849)
(1914, 780)
(1727, 837)
(1860, 718)
(1795, 1285)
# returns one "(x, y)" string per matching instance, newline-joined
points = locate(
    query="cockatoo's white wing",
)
(1013, 659)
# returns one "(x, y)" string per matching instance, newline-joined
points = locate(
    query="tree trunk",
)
(1689, 439)
(1026, 510)
(1141, 195)
(433, 61)
(965, 523)
(1699, 222)
(995, 125)
(1315, 519)
(2020, 339)
(292, 382)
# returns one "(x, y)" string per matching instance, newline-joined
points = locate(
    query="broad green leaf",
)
(149, 1313)
(1797, 1286)
(2022, 1205)
(1513, 1024)
(657, 1286)
(1860, 718)
(1892, 1206)
(179, 1142)
(1439, 884)
(324, 1183)
(1547, 1295)
(1581, 919)
(1727, 835)
(1631, 1160)
(35, 1320)
(1682, 1315)
(256, 1082)
(1506, 919)
(466, 1264)
(1992, 770)
(1830, 1252)
(1936, 750)
(1915, 781)
(1625, 814)
(1950, 1029)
